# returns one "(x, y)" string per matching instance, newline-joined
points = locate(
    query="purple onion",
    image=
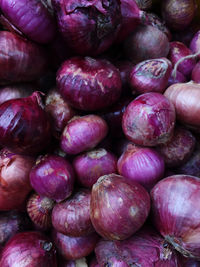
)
(195, 43)
(180, 78)
(53, 177)
(196, 73)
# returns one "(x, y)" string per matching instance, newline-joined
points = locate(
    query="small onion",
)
(118, 207)
(196, 73)
(91, 128)
(52, 176)
(195, 43)
(149, 120)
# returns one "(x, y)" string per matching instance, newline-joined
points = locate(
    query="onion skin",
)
(150, 76)
(175, 211)
(91, 128)
(31, 18)
(52, 176)
(88, 83)
(180, 78)
(149, 120)
(72, 248)
(118, 207)
(29, 249)
(20, 59)
(143, 165)
(196, 73)
(195, 43)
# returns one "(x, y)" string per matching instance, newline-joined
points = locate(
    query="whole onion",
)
(178, 14)
(91, 128)
(52, 176)
(149, 120)
(179, 78)
(89, 84)
(29, 249)
(89, 28)
(144, 4)
(24, 125)
(31, 18)
(143, 165)
(196, 73)
(91, 165)
(72, 217)
(20, 59)
(118, 207)
(177, 199)
(146, 42)
(72, 248)
(195, 42)
(14, 179)
(150, 76)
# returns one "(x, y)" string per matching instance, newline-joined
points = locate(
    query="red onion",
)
(150, 75)
(31, 18)
(24, 125)
(72, 248)
(88, 83)
(29, 249)
(53, 177)
(179, 78)
(146, 42)
(142, 165)
(179, 149)
(91, 165)
(176, 213)
(59, 110)
(196, 73)
(185, 97)
(149, 120)
(91, 128)
(14, 179)
(72, 217)
(89, 28)
(118, 207)
(39, 210)
(195, 43)
(144, 4)
(20, 60)
(178, 14)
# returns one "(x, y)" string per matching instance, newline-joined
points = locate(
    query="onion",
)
(150, 75)
(178, 14)
(14, 179)
(196, 73)
(52, 176)
(20, 60)
(144, 4)
(88, 83)
(146, 42)
(149, 120)
(31, 18)
(39, 210)
(179, 78)
(185, 97)
(195, 43)
(91, 128)
(118, 207)
(28, 249)
(24, 125)
(89, 28)
(177, 199)
(72, 248)
(142, 165)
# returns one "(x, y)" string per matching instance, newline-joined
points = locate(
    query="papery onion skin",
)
(175, 211)
(20, 59)
(91, 128)
(180, 78)
(196, 73)
(149, 120)
(31, 18)
(72, 248)
(89, 28)
(52, 176)
(150, 76)
(118, 207)
(146, 42)
(88, 83)
(24, 125)
(143, 165)
(195, 43)
(91, 165)
(29, 249)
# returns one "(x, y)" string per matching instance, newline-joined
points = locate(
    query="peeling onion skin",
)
(149, 120)
(89, 84)
(175, 211)
(118, 207)
(83, 133)
(31, 18)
